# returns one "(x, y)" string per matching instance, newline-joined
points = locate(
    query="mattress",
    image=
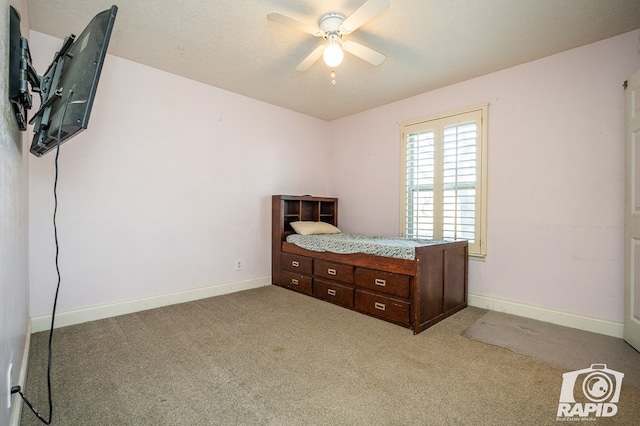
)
(345, 243)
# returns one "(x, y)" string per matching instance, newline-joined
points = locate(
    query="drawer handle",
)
(380, 306)
(294, 281)
(295, 263)
(331, 271)
(331, 292)
(381, 282)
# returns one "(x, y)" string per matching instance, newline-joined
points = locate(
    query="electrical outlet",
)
(239, 265)
(9, 384)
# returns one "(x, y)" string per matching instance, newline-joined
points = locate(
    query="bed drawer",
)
(333, 292)
(301, 283)
(333, 271)
(294, 263)
(387, 308)
(384, 282)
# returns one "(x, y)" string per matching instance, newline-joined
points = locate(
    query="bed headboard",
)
(290, 208)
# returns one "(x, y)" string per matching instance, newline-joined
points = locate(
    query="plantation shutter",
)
(420, 177)
(442, 179)
(459, 182)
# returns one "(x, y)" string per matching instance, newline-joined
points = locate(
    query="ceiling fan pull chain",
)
(333, 76)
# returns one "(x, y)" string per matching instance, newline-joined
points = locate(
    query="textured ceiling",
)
(429, 44)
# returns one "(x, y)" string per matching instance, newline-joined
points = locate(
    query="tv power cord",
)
(17, 389)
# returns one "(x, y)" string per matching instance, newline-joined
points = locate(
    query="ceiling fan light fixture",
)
(333, 54)
(332, 27)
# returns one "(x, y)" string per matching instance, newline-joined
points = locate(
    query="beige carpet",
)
(563, 346)
(270, 356)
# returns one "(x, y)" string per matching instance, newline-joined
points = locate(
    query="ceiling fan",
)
(332, 27)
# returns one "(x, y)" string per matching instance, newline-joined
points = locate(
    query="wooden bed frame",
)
(411, 293)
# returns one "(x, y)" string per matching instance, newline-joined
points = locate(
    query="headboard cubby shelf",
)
(306, 207)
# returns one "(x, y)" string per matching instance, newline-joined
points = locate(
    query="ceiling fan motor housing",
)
(330, 23)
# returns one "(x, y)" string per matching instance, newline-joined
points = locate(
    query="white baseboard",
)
(79, 316)
(16, 401)
(595, 325)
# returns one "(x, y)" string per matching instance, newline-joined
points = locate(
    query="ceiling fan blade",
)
(295, 24)
(367, 11)
(363, 52)
(311, 59)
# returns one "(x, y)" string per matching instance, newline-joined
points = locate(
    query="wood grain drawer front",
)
(333, 271)
(333, 292)
(301, 283)
(299, 264)
(387, 308)
(384, 282)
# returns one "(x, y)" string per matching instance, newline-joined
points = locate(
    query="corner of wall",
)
(14, 272)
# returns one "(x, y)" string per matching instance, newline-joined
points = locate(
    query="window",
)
(444, 178)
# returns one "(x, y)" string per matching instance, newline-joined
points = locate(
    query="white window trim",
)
(482, 182)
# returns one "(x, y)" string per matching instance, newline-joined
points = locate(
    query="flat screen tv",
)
(68, 87)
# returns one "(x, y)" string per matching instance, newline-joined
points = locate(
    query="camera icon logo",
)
(590, 391)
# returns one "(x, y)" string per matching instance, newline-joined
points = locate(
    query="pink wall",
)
(556, 175)
(169, 186)
(171, 183)
(14, 272)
